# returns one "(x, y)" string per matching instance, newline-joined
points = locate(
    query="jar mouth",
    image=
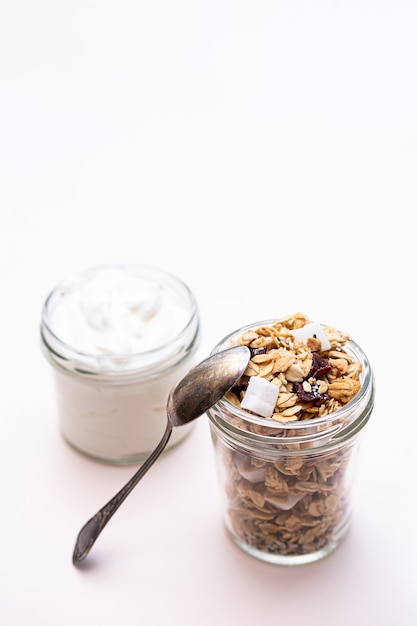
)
(342, 422)
(91, 363)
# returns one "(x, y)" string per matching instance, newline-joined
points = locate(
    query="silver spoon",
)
(199, 390)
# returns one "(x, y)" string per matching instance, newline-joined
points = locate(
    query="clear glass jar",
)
(286, 487)
(112, 397)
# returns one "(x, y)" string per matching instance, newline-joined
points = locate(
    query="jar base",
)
(289, 560)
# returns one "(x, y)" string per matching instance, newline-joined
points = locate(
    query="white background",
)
(266, 152)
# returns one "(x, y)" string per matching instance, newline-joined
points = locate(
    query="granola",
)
(312, 382)
(294, 501)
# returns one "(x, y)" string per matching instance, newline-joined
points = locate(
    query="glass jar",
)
(286, 487)
(118, 339)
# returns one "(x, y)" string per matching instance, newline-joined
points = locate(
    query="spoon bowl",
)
(199, 390)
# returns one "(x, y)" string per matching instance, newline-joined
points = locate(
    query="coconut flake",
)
(313, 329)
(260, 396)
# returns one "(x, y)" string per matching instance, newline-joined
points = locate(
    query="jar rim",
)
(100, 363)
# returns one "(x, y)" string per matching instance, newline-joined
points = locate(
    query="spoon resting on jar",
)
(198, 391)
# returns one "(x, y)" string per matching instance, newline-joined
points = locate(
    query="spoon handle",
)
(91, 530)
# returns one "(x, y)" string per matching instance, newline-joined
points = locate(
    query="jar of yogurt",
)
(118, 339)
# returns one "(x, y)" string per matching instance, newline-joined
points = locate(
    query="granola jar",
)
(118, 338)
(286, 488)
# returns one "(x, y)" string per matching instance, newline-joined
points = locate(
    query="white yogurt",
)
(119, 339)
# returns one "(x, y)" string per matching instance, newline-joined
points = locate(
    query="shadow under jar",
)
(286, 487)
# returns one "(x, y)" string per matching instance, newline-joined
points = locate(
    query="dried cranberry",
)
(320, 367)
(310, 396)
